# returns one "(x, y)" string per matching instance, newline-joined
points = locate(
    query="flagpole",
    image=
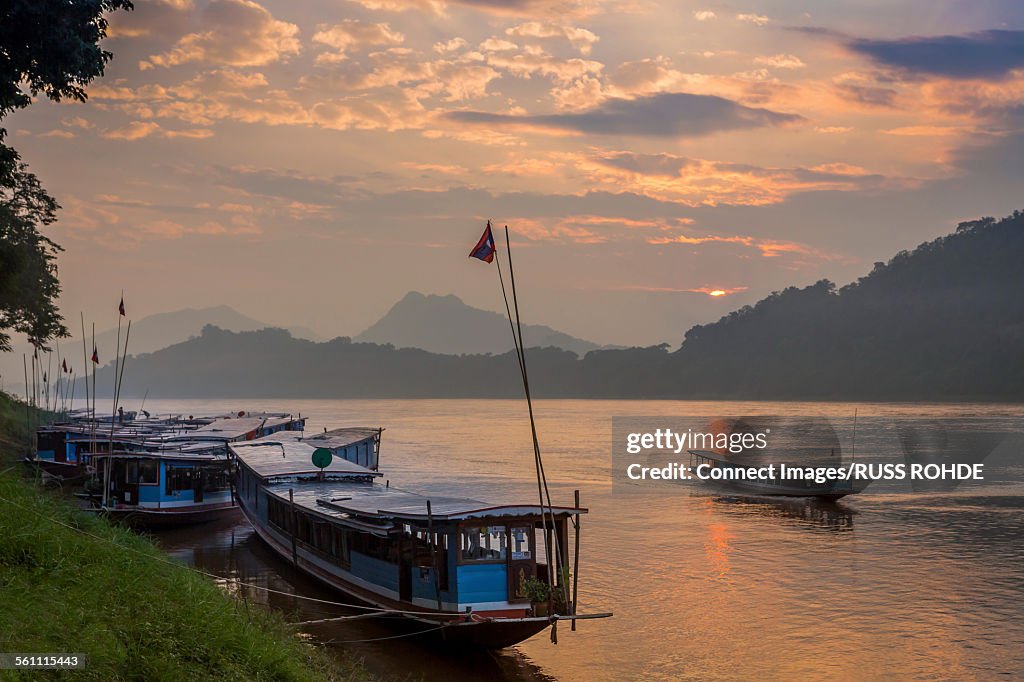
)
(124, 360)
(94, 415)
(117, 354)
(547, 514)
(85, 362)
(28, 411)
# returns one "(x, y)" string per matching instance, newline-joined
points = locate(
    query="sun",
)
(717, 292)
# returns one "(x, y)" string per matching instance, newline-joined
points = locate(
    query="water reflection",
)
(808, 512)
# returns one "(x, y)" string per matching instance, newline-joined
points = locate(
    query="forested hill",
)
(944, 322)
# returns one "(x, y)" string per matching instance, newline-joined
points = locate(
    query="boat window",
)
(278, 514)
(149, 472)
(215, 478)
(519, 537)
(178, 478)
(340, 542)
(482, 543)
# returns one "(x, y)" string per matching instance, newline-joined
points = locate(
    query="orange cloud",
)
(580, 38)
(233, 33)
(353, 34)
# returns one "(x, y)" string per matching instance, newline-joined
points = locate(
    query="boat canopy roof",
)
(340, 438)
(231, 428)
(285, 454)
(174, 455)
(382, 504)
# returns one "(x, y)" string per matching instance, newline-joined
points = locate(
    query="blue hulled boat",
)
(466, 570)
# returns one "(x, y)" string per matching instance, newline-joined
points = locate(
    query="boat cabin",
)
(160, 488)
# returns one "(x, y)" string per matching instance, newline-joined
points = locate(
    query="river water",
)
(926, 585)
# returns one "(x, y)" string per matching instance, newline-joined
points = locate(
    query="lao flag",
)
(120, 307)
(64, 365)
(95, 355)
(484, 249)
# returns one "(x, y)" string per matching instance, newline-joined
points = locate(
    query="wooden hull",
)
(455, 629)
(66, 472)
(165, 518)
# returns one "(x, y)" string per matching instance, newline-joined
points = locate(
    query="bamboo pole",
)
(28, 410)
(433, 555)
(576, 558)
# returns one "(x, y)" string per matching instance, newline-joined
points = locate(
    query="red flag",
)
(120, 307)
(484, 249)
(64, 365)
(95, 355)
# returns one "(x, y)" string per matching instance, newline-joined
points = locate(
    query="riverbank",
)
(71, 582)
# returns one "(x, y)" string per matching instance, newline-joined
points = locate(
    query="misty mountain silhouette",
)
(444, 324)
(160, 330)
(149, 334)
(944, 322)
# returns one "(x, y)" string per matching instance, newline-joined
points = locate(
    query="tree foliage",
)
(49, 47)
(28, 272)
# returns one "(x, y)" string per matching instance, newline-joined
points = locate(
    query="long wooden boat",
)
(452, 567)
(179, 477)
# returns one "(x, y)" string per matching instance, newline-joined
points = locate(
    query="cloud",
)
(865, 89)
(353, 34)
(693, 181)
(233, 33)
(985, 54)
(580, 38)
(516, 8)
(704, 15)
(136, 130)
(753, 19)
(452, 45)
(432, 6)
(781, 61)
(57, 132)
(767, 248)
(497, 45)
(662, 115)
(531, 62)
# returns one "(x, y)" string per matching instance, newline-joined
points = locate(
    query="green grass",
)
(101, 590)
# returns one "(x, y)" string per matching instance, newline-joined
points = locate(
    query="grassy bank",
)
(90, 587)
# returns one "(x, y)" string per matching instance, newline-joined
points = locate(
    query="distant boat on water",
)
(774, 487)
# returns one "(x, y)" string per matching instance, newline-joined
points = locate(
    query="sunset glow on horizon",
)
(635, 150)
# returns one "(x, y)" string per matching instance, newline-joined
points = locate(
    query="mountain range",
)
(943, 322)
(444, 324)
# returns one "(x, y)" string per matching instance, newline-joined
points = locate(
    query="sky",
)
(308, 163)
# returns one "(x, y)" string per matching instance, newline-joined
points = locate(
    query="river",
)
(703, 586)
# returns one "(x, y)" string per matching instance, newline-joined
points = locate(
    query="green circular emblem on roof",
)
(322, 458)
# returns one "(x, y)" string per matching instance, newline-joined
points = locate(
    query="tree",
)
(28, 272)
(50, 47)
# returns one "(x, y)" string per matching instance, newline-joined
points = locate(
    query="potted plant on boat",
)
(539, 593)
